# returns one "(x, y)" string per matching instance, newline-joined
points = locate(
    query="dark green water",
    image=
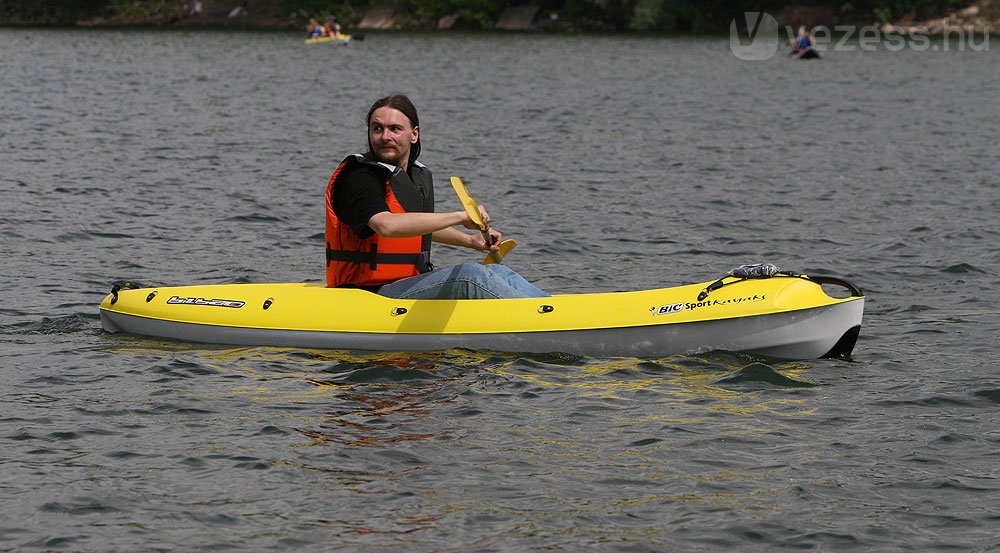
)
(617, 163)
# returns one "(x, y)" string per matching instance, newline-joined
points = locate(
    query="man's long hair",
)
(402, 104)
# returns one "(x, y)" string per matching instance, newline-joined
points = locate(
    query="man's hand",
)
(470, 224)
(479, 241)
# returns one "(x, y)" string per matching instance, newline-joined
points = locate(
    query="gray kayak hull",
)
(825, 331)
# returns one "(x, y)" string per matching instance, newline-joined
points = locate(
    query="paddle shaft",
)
(489, 243)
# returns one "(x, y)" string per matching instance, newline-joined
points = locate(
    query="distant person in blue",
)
(315, 29)
(804, 45)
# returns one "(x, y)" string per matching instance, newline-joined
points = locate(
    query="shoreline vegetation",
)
(928, 17)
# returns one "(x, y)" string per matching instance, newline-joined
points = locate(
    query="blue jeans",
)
(468, 281)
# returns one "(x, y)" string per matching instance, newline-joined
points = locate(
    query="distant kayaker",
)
(315, 30)
(380, 221)
(804, 44)
(332, 27)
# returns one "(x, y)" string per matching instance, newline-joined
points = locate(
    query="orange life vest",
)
(374, 261)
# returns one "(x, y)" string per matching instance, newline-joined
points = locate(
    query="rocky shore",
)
(983, 17)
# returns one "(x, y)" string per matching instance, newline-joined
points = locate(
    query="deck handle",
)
(835, 281)
(119, 285)
(818, 279)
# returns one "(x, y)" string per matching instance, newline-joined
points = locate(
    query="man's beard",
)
(391, 158)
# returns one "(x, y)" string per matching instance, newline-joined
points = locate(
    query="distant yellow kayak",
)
(789, 317)
(342, 39)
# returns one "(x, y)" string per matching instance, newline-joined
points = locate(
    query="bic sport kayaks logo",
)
(757, 40)
(177, 300)
(673, 308)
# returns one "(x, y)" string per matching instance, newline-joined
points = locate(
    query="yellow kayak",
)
(785, 316)
(342, 39)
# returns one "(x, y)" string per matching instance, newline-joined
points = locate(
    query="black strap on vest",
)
(373, 258)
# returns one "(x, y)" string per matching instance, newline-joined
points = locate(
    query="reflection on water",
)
(380, 399)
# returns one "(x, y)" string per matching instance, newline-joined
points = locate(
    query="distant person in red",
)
(332, 27)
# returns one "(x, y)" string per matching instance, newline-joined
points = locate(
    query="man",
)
(380, 221)
(804, 45)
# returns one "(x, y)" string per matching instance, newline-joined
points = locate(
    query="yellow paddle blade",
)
(497, 257)
(472, 208)
(470, 205)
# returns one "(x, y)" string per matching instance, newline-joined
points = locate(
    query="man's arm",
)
(360, 202)
(439, 225)
(402, 225)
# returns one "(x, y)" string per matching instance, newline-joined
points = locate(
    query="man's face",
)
(391, 134)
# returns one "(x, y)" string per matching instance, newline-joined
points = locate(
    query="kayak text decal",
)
(728, 301)
(667, 309)
(177, 300)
